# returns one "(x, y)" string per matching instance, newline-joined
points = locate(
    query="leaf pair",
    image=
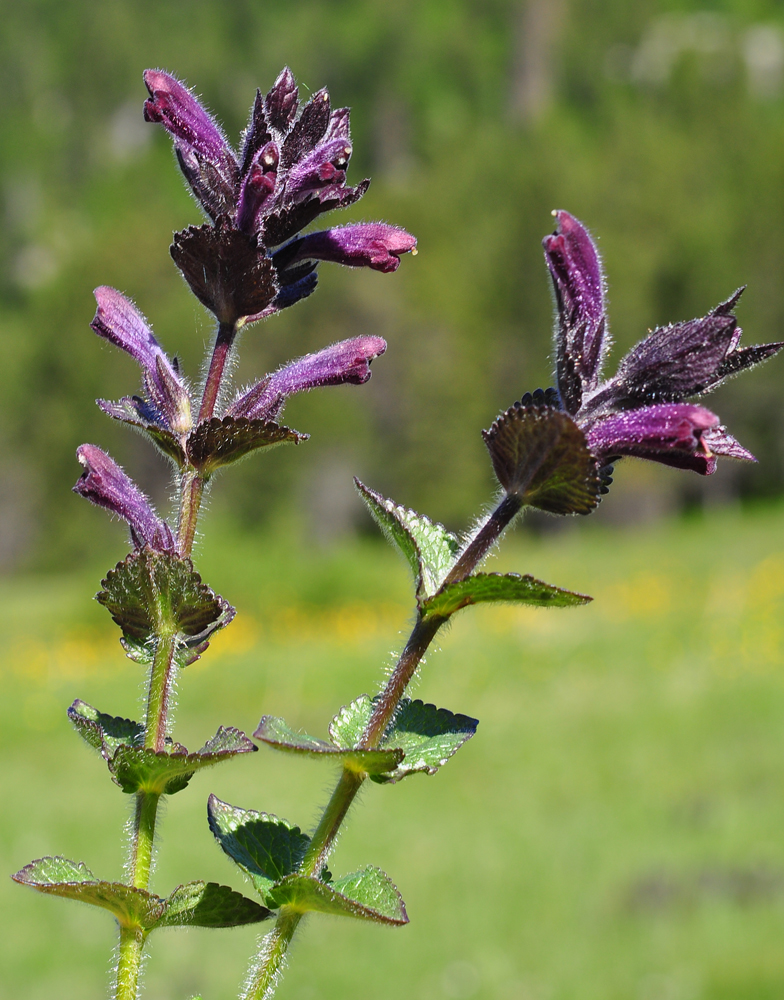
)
(270, 851)
(136, 768)
(196, 904)
(152, 594)
(420, 739)
(431, 551)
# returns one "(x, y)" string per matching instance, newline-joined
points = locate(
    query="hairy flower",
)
(168, 404)
(104, 483)
(346, 361)
(290, 169)
(642, 409)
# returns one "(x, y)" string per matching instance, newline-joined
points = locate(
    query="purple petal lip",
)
(175, 107)
(658, 428)
(371, 244)
(119, 321)
(346, 361)
(104, 483)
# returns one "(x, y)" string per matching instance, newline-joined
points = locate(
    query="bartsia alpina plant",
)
(551, 450)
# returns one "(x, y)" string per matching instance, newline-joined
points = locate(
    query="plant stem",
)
(266, 972)
(191, 492)
(220, 355)
(129, 962)
(265, 976)
(162, 675)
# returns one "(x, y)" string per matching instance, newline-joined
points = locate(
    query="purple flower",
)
(641, 410)
(104, 483)
(291, 169)
(346, 361)
(168, 404)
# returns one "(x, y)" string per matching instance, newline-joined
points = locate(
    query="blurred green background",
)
(614, 830)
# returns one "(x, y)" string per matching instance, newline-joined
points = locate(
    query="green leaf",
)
(125, 411)
(369, 894)
(266, 848)
(428, 736)
(429, 548)
(218, 442)
(156, 593)
(424, 735)
(104, 732)
(207, 904)
(505, 587)
(74, 880)
(140, 769)
(277, 734)
(541, 455)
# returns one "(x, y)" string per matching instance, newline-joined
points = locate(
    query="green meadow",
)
(614, 830)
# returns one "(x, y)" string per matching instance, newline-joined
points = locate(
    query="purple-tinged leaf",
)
(150, 593)
(288, 220)
(257, 133)
(134, 411)
(368, 894)
(140, 769)
(339, 125)
(370, 244)
(225, 270)
(507, 588)
(540, 455)
(218, 442)
(105, 484)
(345, 362)
(581, 340)
(308, 130)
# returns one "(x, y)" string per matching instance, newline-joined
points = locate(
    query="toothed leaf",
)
(207, 904)
(369, 894)
(348, 726)
(540, 454)
(155, 593)
(220, 442)
(277, 734)
(428, 547)
(140, 769)
(104, 732)
(428, 736)
(506, 587)
(74, 880)
(266, 848)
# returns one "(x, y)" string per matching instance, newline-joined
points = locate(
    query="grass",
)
(613, 831)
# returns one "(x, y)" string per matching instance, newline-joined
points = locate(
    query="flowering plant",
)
(552, 450)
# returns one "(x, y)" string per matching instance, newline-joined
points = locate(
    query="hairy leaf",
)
(429, 548)
(266, 848)
(74, 880)
(540, 454)
(104, 732)
(207, 904)
(277, 734)
(508, 587)
(140, 769)
(427, 735)
(155, 593)
(220, 442)
(130, 410)
(369, 894)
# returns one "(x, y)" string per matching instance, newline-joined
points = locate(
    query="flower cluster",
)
(249, 263)
(642, 409)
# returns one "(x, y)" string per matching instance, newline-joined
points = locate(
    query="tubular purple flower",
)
(105, 484)
(119, 321)
(578, 282)
(369, 244)
(345, 362)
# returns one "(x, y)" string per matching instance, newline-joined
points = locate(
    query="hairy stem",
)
(485, 538)
(264, 977)
(192, 486)
(129, 962)
(162, 676)
(220, 355)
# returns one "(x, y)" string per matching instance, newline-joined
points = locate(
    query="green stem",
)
(162, 676)
(129, 962)
(140, 864)
(265, 976)
(192, 486)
